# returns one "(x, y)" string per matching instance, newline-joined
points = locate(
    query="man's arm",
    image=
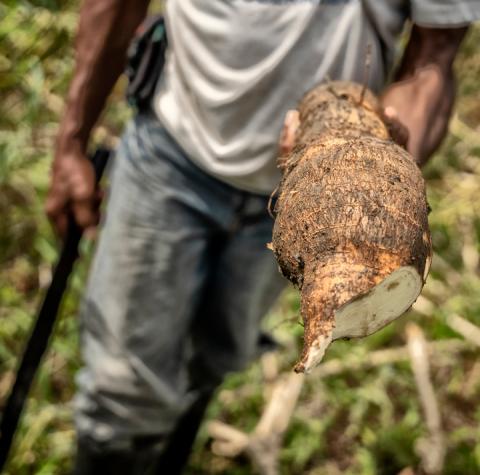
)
(105, 31)
(423, 92)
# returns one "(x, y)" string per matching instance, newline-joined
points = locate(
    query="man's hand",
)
(73, 191)
(423, 93)
(423, 103)
(105, 31)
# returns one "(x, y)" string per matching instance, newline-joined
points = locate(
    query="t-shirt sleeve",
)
(431, 13)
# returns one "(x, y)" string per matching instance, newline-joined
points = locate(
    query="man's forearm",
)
(106, 28)
(430, 47)
(423, 92)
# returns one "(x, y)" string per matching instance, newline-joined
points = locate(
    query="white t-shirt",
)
(234, 67)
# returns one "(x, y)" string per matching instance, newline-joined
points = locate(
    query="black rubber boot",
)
(174, 457)
(148, 455)
(141, 459)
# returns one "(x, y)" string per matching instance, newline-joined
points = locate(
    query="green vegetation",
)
(357, 422)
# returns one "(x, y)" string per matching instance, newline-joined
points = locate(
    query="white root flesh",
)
(367, 314)
(387, 301)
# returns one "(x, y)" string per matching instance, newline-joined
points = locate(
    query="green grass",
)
(358, 422)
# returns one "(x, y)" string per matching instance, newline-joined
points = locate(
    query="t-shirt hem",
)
(233, 182)
(456, 15)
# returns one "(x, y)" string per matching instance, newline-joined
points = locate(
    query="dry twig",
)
(465, 328)
(263, 444)
(472, 381)
(424, 306)
(433, 448)
(388, 356)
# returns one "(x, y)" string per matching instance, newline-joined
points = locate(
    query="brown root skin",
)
(351, 212)
(337, 109)
(342, 279)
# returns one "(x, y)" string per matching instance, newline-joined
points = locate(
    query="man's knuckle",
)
(83, 191)
(51, 208)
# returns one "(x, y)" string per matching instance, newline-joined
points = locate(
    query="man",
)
(181, 276)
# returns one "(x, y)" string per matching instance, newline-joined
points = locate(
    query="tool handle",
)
(43, 327)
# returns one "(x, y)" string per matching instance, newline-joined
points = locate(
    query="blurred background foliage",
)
(362, 421)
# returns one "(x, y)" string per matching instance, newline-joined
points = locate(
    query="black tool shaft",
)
(39, 338)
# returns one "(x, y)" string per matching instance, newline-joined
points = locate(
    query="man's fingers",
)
(99, 197)
(290, 126)
(73, 193)
(85, 213)
(391, 112)
(56, 210)
(396, 129)
(58, 218)
(60, 225)
(91, 233)
(83, 187)
(84, 196)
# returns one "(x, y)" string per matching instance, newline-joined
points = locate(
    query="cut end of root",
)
(314, 354)
(390, 299)
(361, 315)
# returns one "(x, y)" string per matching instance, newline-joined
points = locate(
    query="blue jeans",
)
(179, 283)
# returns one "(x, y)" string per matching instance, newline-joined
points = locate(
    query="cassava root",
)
(351, 228)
